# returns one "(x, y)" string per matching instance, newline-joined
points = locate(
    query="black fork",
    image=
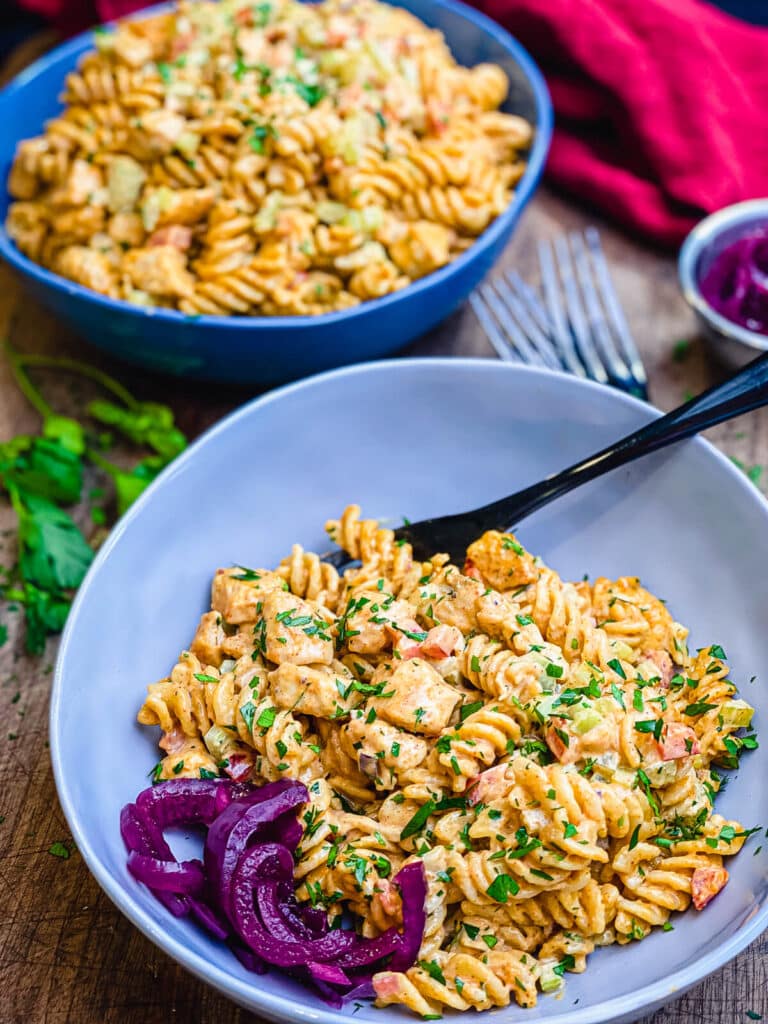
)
(745, 391)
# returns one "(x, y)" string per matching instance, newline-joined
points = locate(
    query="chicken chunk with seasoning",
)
(159, 270)
(415, 697)
(375, 620)
(238, 593)
(450, 598)
(295, 631)
(499, 560)
(326, 691)
(208, 639)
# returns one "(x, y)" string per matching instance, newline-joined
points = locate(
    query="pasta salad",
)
(548, 751)
(277, 158)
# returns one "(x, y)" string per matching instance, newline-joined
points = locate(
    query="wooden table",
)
(66, 955)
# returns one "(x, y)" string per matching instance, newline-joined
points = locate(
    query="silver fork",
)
(576, 324)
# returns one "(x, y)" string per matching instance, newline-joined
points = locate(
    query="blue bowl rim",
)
(706, 231)
(649, 996)
(526, 186)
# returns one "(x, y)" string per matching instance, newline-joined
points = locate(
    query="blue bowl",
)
(272, 349)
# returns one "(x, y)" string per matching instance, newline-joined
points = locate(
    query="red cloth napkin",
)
(661, 106)
(71, 16)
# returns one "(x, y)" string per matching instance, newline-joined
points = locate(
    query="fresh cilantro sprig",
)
(41, 475)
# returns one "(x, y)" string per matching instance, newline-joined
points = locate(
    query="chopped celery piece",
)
(585, 717)
(661, 774)
(737, 713)
(548, 980)
(219, 742)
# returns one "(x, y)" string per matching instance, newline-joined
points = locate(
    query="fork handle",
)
(745, 391)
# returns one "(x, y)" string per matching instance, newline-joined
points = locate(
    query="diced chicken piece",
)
(208, 639)
(186, 206)
(126, 229)
(177, 235)
(421, 700)
(371, 626)
(131, 48)
(677, 740)
(160, 130)
(252, 45)
(502, 561)
(424, 248)
(88, 267)
(22, 182)
(238, 593)
(295, 631)
(452, 598)
(706, 883)
(663, 662)
(80, 184)
(320, 690)
(489, 785)
(80, 225)
(442, 642)
(240, 643)
(159, 271)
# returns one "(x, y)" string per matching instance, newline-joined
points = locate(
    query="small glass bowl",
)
(734, 344)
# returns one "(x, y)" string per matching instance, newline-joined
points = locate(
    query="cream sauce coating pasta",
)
(278, 158)
(548, 749)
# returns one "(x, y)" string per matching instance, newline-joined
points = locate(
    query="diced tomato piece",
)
(389, 898)
(677, 740)
(441, 642)
(706, 883)
(180, 44)
(470, 569)
(663, 663)
(177, 235)
(173, 741)
(438, 115)
(486, 785)
(239, 767)
(406, 648)
(566, 753)
(386, 984)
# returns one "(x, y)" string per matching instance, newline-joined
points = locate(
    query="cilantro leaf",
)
(54, 553)
(149, 423)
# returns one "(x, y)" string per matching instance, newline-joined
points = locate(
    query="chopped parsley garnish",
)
(418, 821)
(502, 887)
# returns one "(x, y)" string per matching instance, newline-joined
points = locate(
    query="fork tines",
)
(576, 323)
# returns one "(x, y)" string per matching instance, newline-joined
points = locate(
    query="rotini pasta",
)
(248, 159)
(549, 750)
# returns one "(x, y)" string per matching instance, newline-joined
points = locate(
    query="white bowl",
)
(414, 438)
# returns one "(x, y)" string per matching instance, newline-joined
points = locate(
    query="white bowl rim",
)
(279, 1006)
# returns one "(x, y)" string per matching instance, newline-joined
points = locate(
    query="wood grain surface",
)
(66, 955)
